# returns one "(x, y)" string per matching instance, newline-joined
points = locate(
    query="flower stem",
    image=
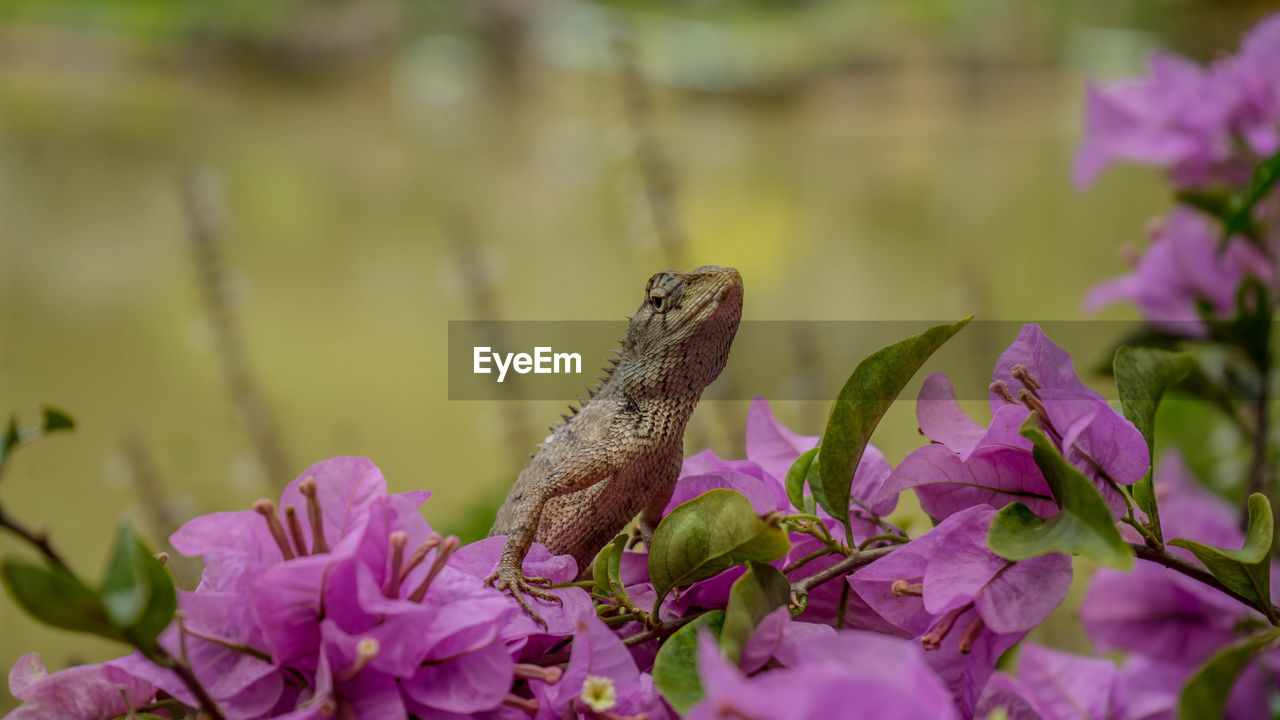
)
(37, 539)
(1195, 572)
(853, 562)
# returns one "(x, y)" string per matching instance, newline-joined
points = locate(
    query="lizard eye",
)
(657, 301)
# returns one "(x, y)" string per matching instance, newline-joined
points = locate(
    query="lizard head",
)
(687, 318)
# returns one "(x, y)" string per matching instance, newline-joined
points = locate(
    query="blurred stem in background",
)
(205, 223)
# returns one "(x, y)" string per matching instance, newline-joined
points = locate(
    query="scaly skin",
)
(620, 454)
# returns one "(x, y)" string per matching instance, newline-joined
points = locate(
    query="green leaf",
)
(761, 590)
(705, 535)
(1238, 215)
(55, 597)
(863, 400)
(161, 607)
(600, 570)
(10, 439)
(1206, 694)
(1215, 203)
(675, 668)
(57, 419)
(1247, 570)
(1142, 377)
(126, 588)
(136, 592)
(607, 571)
(1082, 526)
(796, 475)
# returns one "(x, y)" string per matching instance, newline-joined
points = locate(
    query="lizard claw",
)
(516, 583)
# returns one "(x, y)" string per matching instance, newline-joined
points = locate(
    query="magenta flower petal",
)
(770, 444)
(1049, 364)
(597, 652)
(1071, 686)
(1158, 613)
(761, 493)
(479, 560)
(941, 418)
(473, 682)
(81, 692)
(966, 674)
(993, 475)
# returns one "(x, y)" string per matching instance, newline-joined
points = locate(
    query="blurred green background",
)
(375, 168)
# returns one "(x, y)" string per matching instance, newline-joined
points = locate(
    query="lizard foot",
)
(519, 585)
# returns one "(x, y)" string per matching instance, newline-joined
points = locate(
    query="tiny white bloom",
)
(598, 693)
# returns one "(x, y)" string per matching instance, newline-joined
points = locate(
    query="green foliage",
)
(712, 532)
(1206, 694)
(1082, 526)
(606, 572)
(137, 592)
(863, 400)
(1237, 215)
(52, 420)
(134, 602)
(56, 597)
(760, 591)
(796, 475)
(1247, 571)
(1142, 377)
(675, 668)
(56, 419)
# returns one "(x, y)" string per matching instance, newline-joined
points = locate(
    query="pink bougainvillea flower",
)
(968, 464)
(347, 601)
(478, 559)
(964, 603)
(1187, 118)
(600, 681)
(1169, 621)
(80, 692)
(1181, 271)
(1057, 686)
(887, 676)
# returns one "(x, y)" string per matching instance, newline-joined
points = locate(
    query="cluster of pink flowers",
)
(1210, 128)
(342, 601)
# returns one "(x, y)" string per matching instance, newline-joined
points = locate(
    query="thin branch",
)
(157, 655)
(1195, 572)
(853, 562)
(35, 538)
(204, 220)
(208, 705)
(643, 636)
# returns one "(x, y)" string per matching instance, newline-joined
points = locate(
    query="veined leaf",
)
(55, 597)
(1142, 377)
(675, 669)
(796, 475)
(863, 400)
(136, 591)
(708, 534)
(1206, 694)
(1238, 214)
(1082, 526)
(1247, 570)
(761, 590)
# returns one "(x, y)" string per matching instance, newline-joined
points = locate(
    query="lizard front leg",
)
(509, 574)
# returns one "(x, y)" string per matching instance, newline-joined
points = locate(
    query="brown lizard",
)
(620, 453)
